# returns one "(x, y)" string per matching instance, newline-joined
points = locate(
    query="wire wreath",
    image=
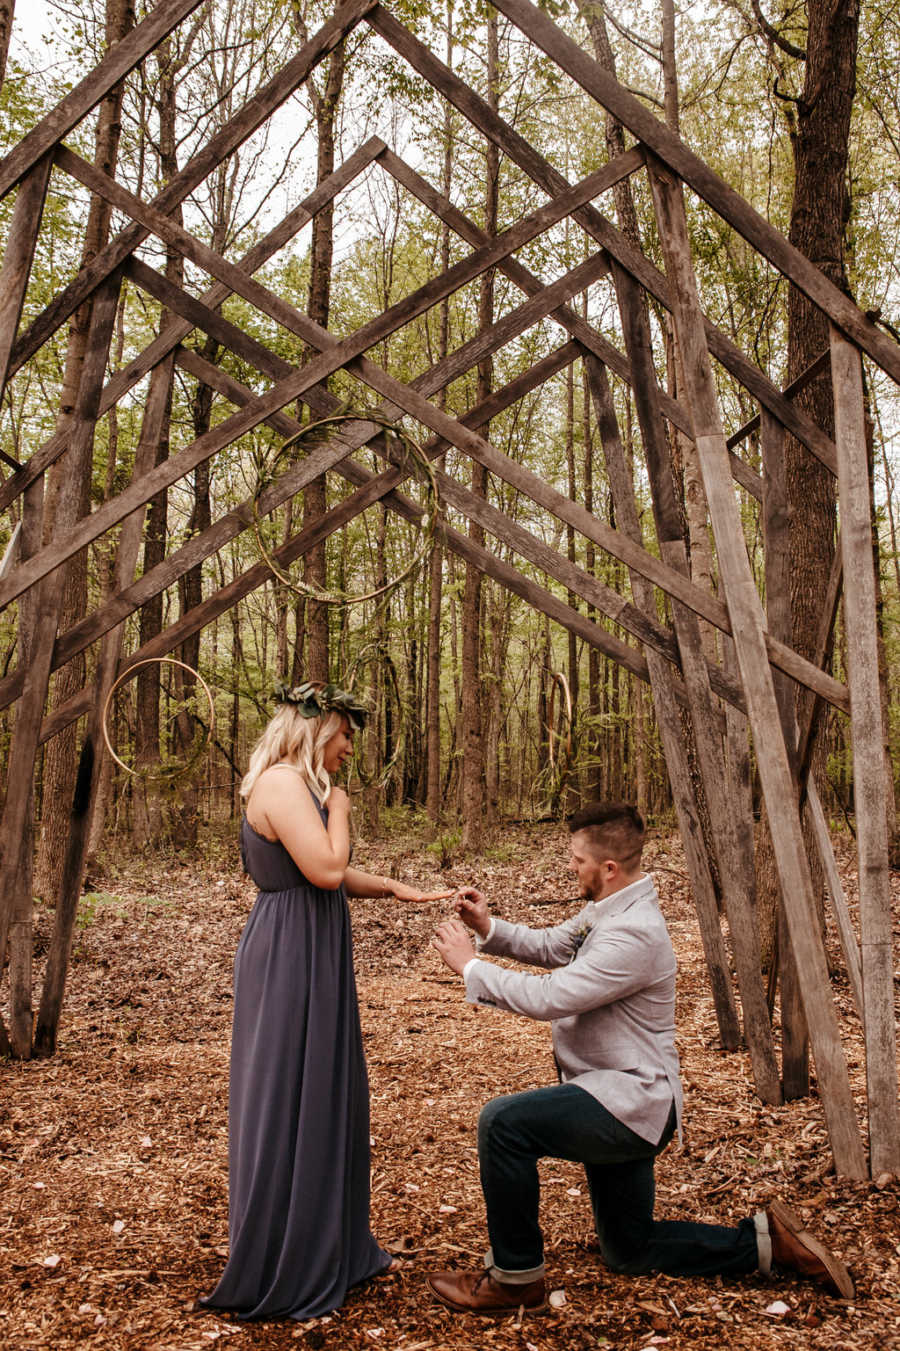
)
(558, 679)
(365, 657)
(410, 458)
(201, 743)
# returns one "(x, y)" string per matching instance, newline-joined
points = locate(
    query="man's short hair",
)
(613, 829)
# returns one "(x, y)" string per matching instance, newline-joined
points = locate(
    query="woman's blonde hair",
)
(294, 740)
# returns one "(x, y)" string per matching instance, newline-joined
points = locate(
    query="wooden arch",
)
(754, 689)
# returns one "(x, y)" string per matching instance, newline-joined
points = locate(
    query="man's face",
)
(596, 876)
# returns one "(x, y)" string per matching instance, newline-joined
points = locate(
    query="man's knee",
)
(495, 1121)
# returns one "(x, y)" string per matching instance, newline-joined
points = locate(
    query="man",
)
(610, 997)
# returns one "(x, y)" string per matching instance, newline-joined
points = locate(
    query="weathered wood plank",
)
(129, 598)
(245, 122)
(17, 260)
(482, 116)
(121, 58)
(668, 716)
(871, 785)
(776, 548)
(789, 391)
(292, 383)
(738, 882)
(671, 150)
(591, 340)
(47, 605)
(748, 633)
(126, 378)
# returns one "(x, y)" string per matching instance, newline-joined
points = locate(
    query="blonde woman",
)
(298, 1154)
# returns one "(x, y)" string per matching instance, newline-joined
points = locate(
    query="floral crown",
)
(313, 700)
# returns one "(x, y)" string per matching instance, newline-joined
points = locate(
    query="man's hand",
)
(454, 945)
(472, 909)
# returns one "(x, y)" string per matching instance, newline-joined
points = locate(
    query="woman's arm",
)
(281, 805)
(368, 884)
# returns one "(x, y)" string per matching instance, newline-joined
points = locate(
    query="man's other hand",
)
(454, 945)
(472, 909)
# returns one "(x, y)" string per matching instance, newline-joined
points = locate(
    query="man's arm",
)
(549, 947)
(623, 961)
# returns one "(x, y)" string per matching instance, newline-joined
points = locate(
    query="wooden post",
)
(29, 714)
(23, 233)
(776, 541)
(870, 784)
(668, 716)
(748, 630)
(84, 795)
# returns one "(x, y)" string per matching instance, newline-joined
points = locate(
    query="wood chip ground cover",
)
(113, 1168)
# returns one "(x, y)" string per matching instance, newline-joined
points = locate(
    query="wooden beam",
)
(800, 382)
(295, 383)
(669, 716)
(15, 904)
(718, 773)
(871, 784)
(121, 58)
(136, 369)
(730, 205)
(597, 226)
(130, 598)
(591, 340)
(776, 551)
(227, 139)
(17, 260)
(749, 640)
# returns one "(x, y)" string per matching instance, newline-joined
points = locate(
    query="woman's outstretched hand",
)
(413, 894)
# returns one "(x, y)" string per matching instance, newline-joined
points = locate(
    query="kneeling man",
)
(610, 996)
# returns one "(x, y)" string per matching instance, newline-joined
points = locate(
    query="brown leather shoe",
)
(794, 1247)
(468, 1292)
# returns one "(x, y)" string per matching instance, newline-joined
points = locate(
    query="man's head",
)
(606, 844)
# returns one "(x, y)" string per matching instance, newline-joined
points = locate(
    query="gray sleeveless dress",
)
(298, 1151)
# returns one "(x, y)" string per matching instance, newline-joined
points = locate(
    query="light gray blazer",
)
(610, 996)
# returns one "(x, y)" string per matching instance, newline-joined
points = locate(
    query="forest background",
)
(469, 684)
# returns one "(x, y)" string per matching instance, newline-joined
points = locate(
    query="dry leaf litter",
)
(113, 1155)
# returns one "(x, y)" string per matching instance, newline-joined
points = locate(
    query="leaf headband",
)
(312, 700)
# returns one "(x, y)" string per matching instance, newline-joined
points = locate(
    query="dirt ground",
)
(113, 1170)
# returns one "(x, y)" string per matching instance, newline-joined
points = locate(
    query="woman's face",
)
(338, 748)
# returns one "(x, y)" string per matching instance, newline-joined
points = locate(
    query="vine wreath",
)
(410, 458)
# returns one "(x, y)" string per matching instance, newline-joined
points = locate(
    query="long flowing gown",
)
(298, 1152)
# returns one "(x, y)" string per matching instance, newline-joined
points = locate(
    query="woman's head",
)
(312, 729)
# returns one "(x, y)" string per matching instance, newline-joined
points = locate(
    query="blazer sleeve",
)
(539, 947)
(615, 965)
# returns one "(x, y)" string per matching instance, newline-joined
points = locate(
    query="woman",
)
(298, 1155)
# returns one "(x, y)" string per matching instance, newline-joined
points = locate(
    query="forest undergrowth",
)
(113, 1155)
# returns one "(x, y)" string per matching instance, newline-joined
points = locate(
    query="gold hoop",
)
(423, 469)
(366, 656)
(165, 776)
(557, 678)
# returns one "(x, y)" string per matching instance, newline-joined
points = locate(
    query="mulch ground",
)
(113, 1170)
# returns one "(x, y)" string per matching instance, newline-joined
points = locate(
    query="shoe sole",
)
(833, 1265)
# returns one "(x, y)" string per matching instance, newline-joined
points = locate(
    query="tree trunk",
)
(472, 798)
(314, 631)
(59, 758)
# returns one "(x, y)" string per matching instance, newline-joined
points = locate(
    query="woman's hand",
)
(413, 894)
(338, 799)
(472, 909)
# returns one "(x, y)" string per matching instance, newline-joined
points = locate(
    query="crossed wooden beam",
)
(671, 659)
